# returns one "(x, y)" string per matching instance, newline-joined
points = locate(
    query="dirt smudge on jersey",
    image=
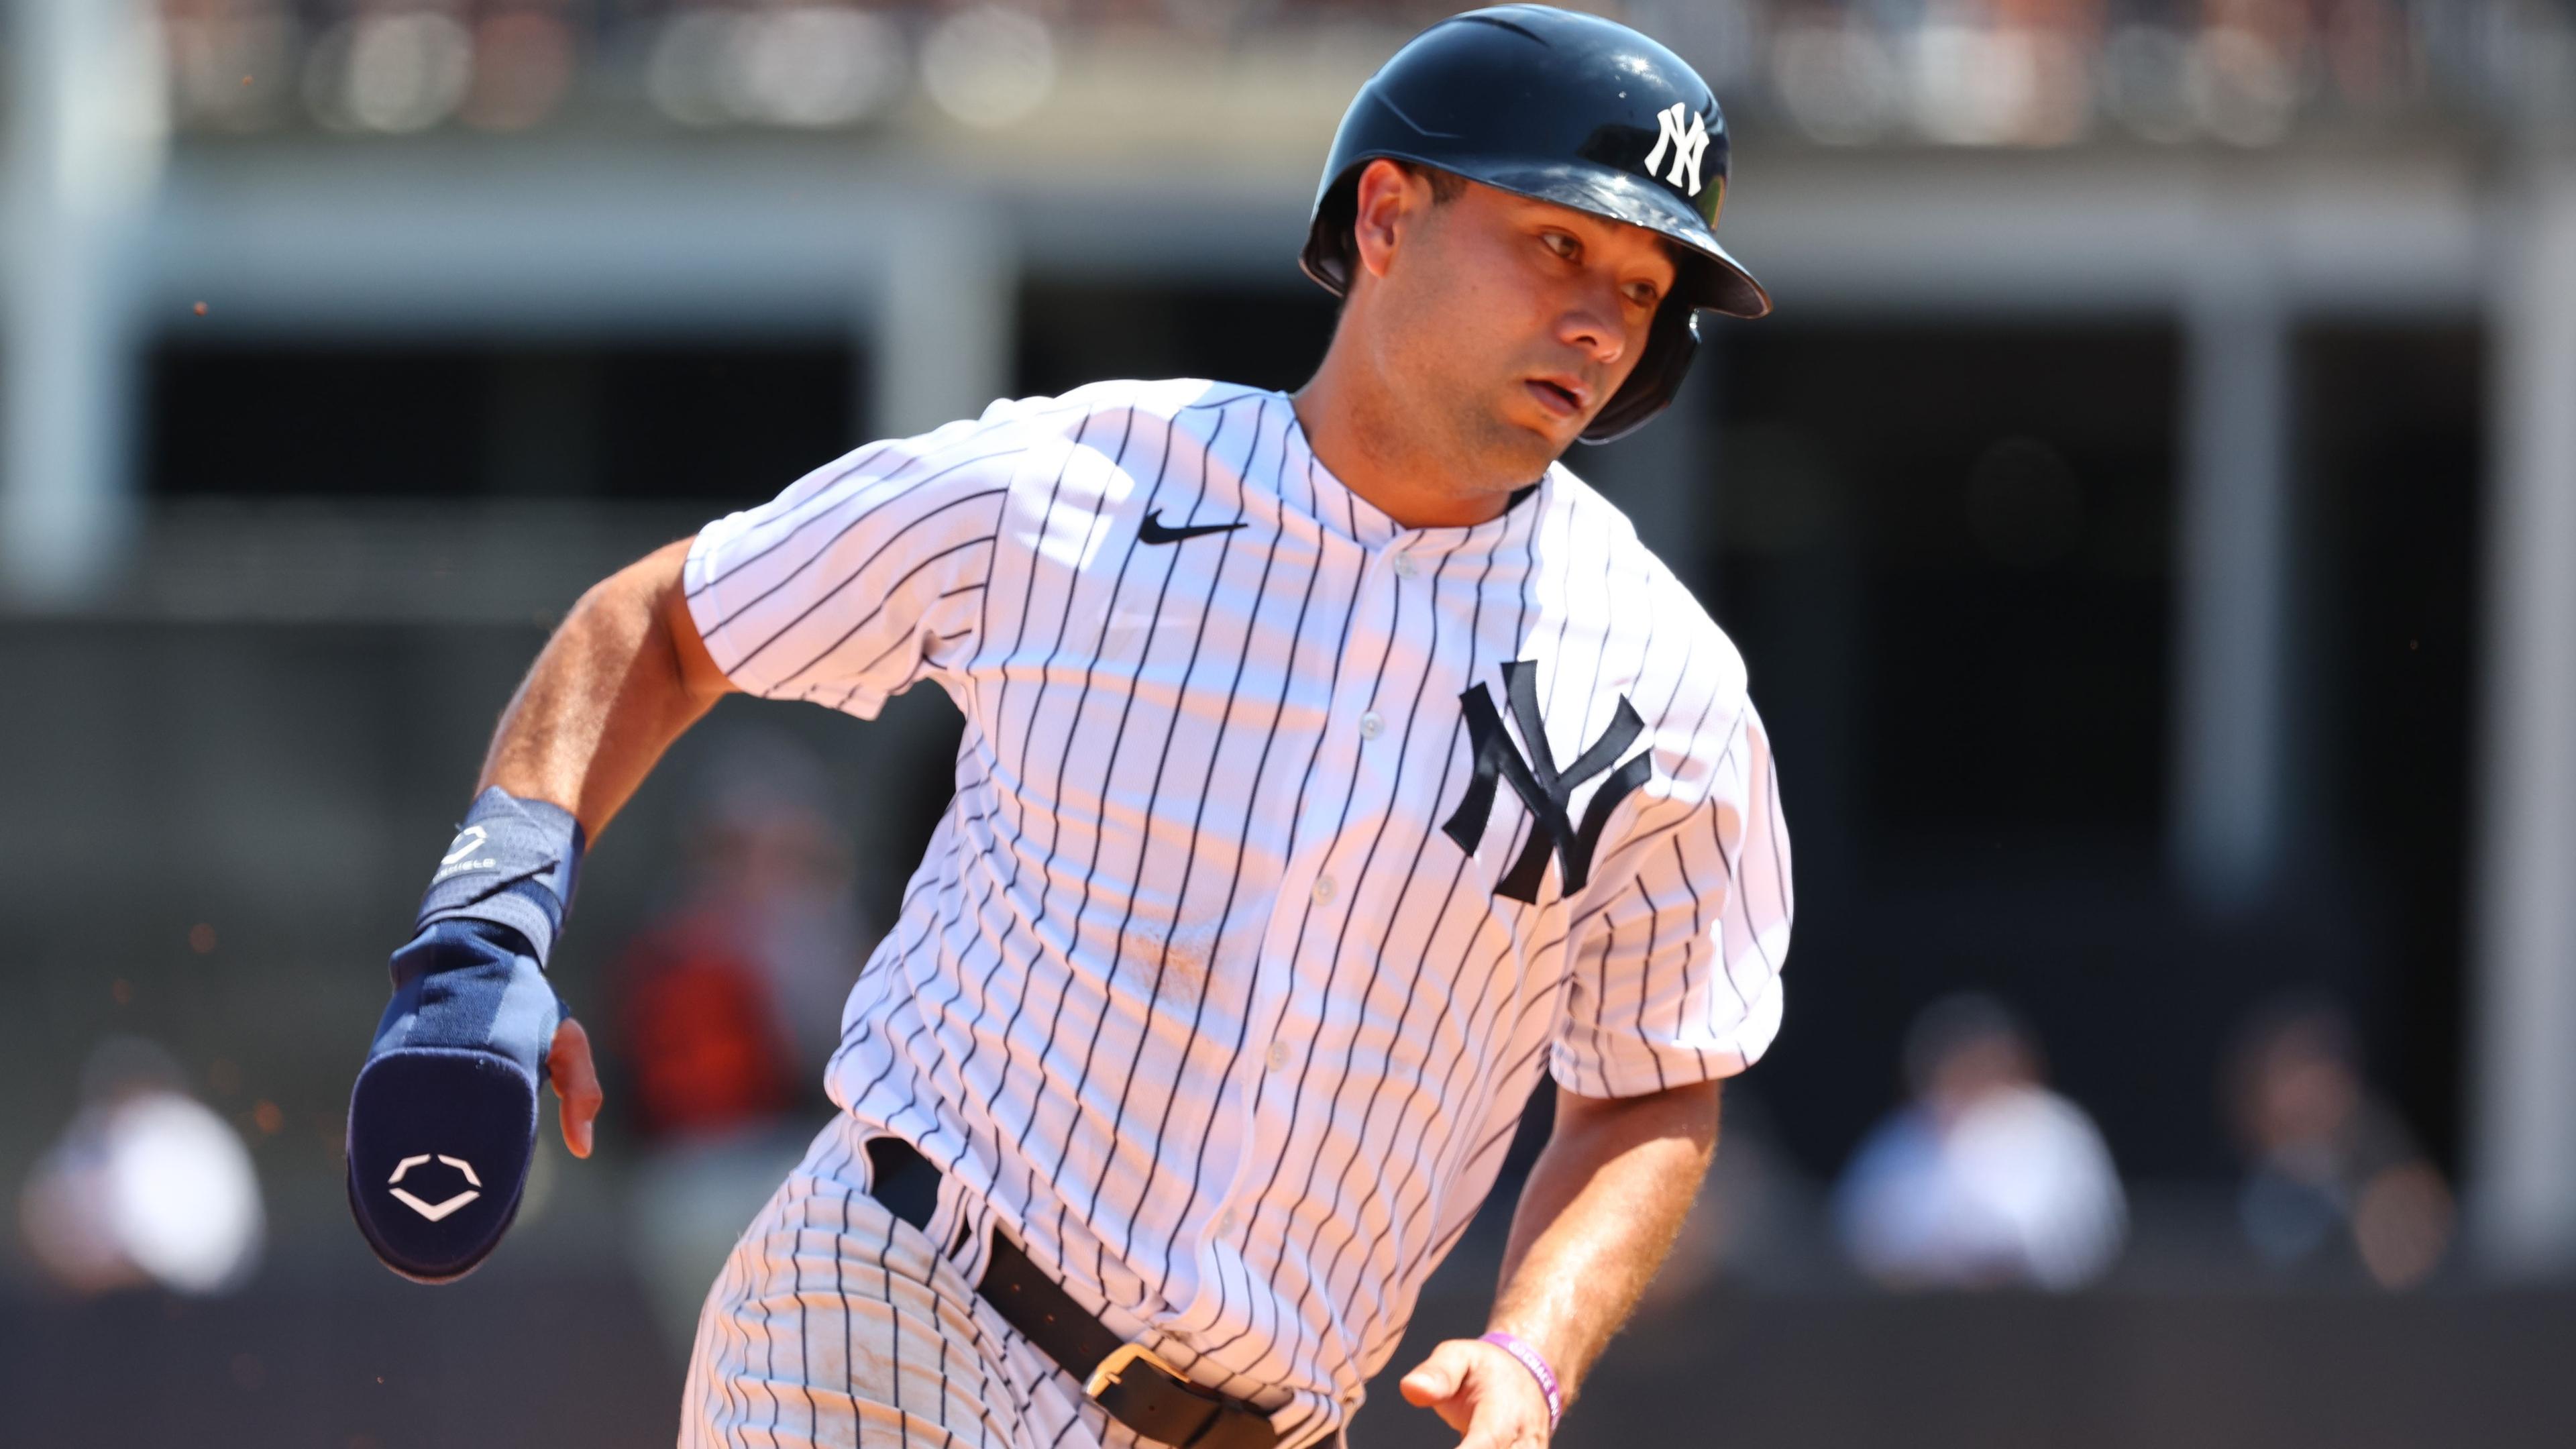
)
(1175, 969)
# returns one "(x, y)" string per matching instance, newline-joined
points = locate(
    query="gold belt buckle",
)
(1116, 1364)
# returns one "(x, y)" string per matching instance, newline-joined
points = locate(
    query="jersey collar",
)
(1340, 510)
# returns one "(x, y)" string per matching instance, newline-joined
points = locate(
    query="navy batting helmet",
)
(1568, 108)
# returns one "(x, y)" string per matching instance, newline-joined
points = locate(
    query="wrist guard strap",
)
(513, 863)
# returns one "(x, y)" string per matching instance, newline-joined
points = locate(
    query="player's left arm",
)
(1675, 979)
(1600, 1211)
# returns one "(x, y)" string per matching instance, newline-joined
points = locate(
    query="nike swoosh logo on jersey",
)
(1155, 530)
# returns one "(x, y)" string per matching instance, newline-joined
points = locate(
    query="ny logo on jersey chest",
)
(1546, 790)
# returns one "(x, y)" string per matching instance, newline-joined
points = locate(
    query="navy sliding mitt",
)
(443, 1119)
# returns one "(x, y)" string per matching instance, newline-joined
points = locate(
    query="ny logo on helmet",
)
(1688, 142)
(1546, 790)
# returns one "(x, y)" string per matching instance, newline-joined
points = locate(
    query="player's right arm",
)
(624, 676)
(861, 578)
(442, 1120)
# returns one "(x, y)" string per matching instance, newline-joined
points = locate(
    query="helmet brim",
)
(1724, 284)
(1721, 284)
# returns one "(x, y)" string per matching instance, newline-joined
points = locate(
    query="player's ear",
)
(1390, 196)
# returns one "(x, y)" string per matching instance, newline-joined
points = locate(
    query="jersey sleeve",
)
(864, 576)
(1675, 947)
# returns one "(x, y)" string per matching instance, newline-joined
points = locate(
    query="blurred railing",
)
(1963, 72)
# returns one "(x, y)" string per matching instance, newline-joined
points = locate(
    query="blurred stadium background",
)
(2148, 520)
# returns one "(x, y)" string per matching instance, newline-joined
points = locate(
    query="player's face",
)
(1521, 319)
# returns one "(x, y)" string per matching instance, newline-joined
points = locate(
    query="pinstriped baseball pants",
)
(836, 1325)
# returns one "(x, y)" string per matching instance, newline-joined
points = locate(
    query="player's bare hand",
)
(576, 1081)
(1482, 1392)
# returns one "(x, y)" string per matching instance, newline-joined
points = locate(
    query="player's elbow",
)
(661, 571)
(643, 610)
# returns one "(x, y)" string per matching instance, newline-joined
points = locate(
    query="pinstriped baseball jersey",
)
(1289, 845)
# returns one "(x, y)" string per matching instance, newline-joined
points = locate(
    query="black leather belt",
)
(1139, 1390)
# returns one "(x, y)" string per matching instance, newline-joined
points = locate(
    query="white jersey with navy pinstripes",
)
(1289, 845)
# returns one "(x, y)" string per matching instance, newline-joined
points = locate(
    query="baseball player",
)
(1334, 763)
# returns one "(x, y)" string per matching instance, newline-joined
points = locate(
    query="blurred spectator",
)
(728, 1005)
(147, 1186)
(725, 1009)
(1987, 1178)
(2332, 1176)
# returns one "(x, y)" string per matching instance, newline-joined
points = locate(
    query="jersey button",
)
(1372, 725)
(1324, 889)
(1405, 567)
(1225, 1224)
(1278, 1055)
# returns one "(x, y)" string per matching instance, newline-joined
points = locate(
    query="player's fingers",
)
(1501, 1421)
(576, 1081)
(1429, 1384)
(1439, 1384)
(1493, 1402)
(1491, 1432)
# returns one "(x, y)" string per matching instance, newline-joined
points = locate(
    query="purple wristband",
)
(1538, 1368)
